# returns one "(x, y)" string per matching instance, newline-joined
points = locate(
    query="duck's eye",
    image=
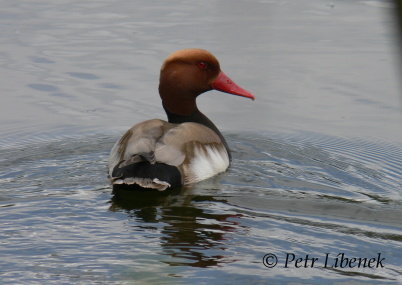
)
(202, 65)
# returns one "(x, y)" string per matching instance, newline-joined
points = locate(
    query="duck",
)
(188, 147)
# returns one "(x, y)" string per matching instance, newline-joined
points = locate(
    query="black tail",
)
(159, 176)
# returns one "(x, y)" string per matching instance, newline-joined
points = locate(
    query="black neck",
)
(200, 118)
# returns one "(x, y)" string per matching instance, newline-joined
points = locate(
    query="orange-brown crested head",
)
(187, 73)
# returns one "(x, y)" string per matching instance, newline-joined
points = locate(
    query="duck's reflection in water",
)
(191, 235)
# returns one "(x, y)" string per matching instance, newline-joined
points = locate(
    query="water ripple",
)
(308, 194)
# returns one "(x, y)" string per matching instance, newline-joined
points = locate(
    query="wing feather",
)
(140, 139)
(171, 148)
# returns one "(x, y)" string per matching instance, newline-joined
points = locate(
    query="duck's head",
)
(187, 73)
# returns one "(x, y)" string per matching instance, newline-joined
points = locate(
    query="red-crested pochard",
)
(188, 148)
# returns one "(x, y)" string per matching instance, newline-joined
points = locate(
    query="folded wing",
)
(190, 147)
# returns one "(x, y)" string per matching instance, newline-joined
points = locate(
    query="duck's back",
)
(157, 154)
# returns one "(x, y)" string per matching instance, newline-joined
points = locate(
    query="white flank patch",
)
(207, 164)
